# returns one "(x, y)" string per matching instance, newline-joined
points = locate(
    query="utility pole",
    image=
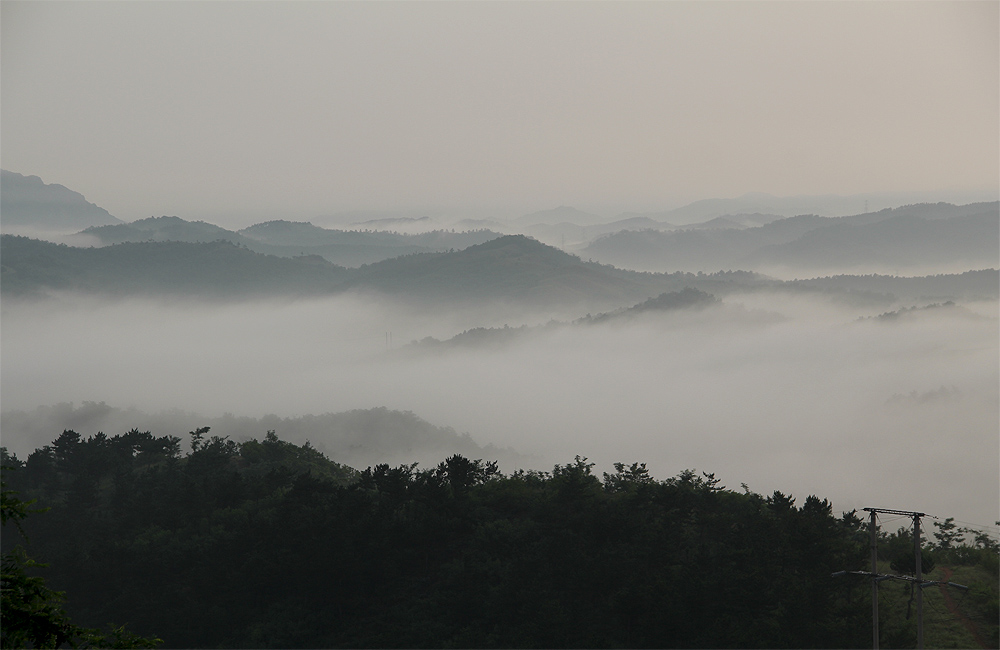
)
(919, 576)
(877, 577)
(873, 539)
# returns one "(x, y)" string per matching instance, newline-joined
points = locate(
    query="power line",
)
(990, 528)
(995, 526)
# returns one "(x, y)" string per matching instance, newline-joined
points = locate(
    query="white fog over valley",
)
(778, 392)
(758, 239)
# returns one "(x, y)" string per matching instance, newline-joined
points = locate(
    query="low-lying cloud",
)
(779, 392)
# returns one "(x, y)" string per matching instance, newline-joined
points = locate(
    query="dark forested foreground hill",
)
(268, 544)
(513, 268)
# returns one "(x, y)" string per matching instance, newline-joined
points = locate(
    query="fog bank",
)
(779, 392)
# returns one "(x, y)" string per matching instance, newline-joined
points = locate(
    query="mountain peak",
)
(519, 246)
(28, 203)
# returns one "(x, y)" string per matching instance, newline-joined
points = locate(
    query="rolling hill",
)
(358, 438)
(506, 270)
(160, 229)
(562, 214)
(513, 267)
(903, 242)
(219, 269)
(350, 248)
(27, 204)
(909, 239)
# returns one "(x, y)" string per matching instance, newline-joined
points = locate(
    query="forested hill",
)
(28, 202)
(684, 300)
(911, 238)
(512, 268)
(269, 544)
(971, 285)
(508, 268)
(219, 268)
(359, 438)
(349, 248)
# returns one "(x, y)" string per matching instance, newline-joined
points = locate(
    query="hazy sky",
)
(300, 108)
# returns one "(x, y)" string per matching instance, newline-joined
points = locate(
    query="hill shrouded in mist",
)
(910, 239)
(499, 324)
(349, 248)
(358, 438)
(513, 269)
(219, 268)
(916, 239)
(803, 367)
(28, 204)
(562, 214)
(159, 229)
(498, 337)
(510, 267)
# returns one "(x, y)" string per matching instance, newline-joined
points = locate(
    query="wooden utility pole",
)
(917, 580)
(919, 576)
(873, 539)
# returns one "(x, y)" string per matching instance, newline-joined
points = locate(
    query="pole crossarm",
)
(906, 513)
(888, 576)
(877, 577)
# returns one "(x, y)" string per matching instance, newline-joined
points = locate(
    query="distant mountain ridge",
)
(496, 337)
(28, 203)
(904, 237)
(563, 213)
(349, 248)
(509, 270)
(161, 229)
(172, 256)
(213, 269)
(901, 241)
(514, 266)
(790, 206)
(513, 269)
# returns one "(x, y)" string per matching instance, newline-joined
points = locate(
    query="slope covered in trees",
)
(31, 612)
(28, 203)
(912, 238)
(216, 269)
(513, 269)
(359, 437)
(281, 238)
(269, 544)
(686, 299)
